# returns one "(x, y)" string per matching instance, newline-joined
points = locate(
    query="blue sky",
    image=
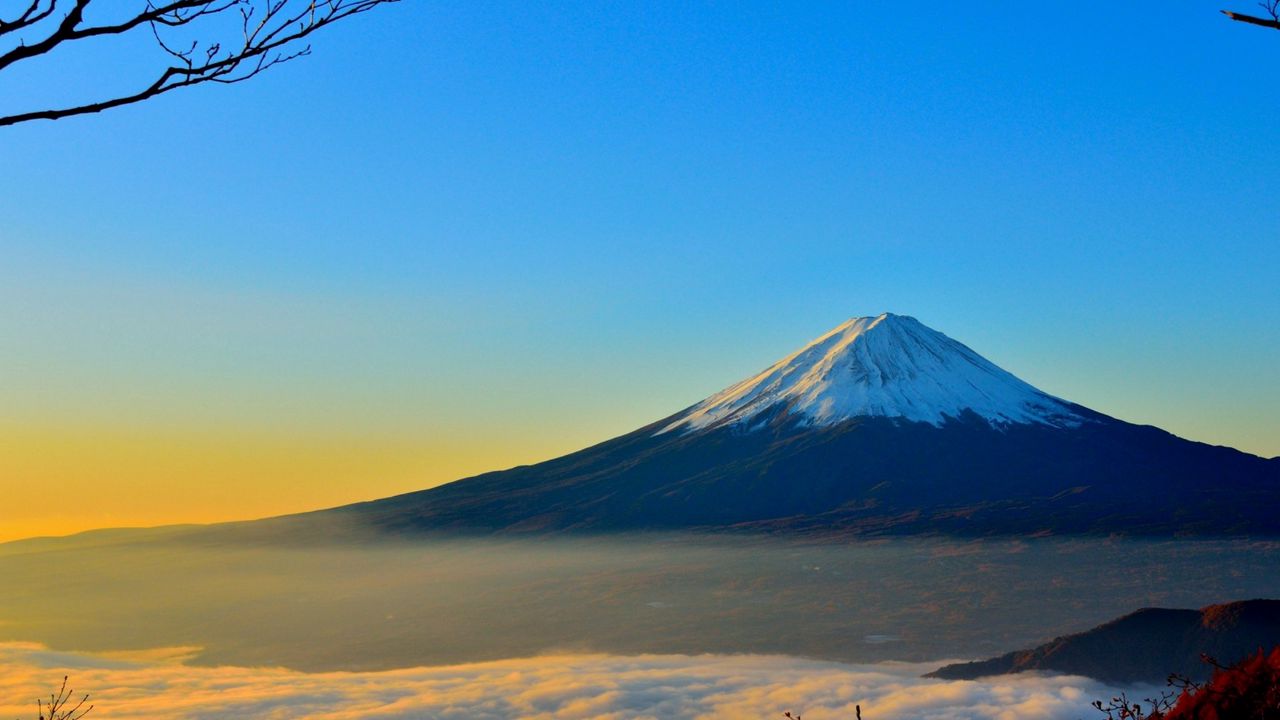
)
(537, 227)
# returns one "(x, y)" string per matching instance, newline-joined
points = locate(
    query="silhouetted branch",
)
(269, 34)
(60, 707)
(1272, 8)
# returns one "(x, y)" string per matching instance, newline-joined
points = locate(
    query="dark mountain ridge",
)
(1144, 646)
(881, 426)
(865, 476)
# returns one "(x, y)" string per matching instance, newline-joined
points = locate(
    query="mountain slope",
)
(880, 426)
(1144, 646)
(886, 366)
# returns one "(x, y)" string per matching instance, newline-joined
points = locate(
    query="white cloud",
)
(156, 686)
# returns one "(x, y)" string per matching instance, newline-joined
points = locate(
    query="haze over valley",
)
(402, 360)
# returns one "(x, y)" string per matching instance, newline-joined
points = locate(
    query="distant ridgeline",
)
(880, 426)
(1145, 646)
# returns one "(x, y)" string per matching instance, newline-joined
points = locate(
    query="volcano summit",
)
(886, 366)
(880, 426)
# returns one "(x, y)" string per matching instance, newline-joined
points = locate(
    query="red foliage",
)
(1248, 690)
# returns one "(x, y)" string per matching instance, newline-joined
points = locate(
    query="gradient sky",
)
(463, 236)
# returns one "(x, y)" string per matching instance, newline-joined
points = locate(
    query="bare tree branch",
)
(60, 708)
(270, 33)
(34, 13)
(1272, 8)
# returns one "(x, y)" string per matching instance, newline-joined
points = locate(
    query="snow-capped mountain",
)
(885, 366)
(880, 426)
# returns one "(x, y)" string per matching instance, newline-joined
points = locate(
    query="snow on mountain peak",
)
(885, 366)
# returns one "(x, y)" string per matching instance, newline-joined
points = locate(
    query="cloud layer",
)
(156, 686)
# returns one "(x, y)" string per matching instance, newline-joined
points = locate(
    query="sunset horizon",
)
(404, 360)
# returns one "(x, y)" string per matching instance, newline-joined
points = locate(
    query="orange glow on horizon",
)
(59, 481)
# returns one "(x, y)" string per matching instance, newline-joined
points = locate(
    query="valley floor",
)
(630, 627)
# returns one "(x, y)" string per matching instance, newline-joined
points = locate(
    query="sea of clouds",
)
(158, 685)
